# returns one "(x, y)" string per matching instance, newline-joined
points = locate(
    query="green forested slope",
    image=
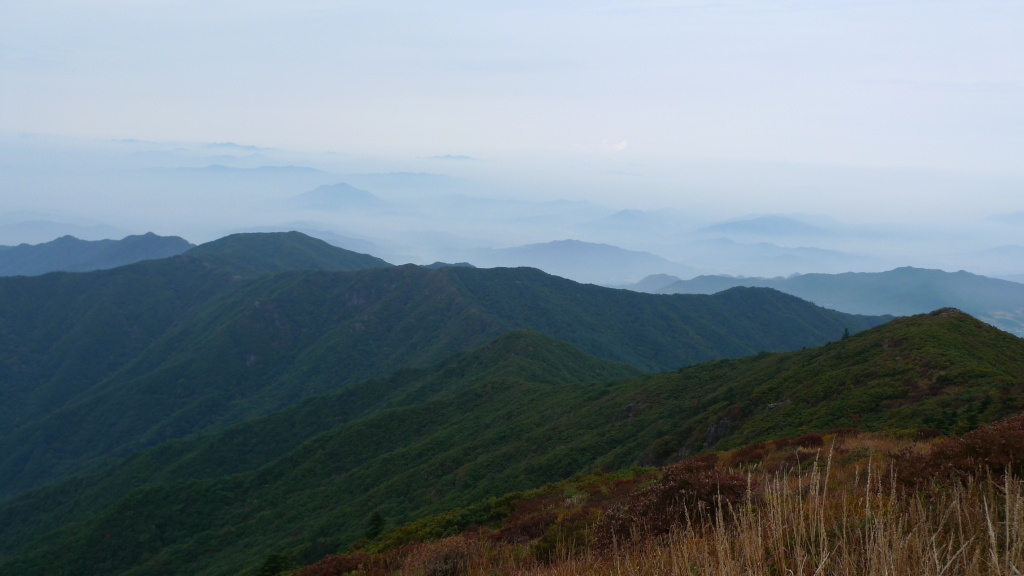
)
(497, 433)
(61, 333)
(653, 332)
(255, 254)
(65, 338)
(375, 415)
(249, 346)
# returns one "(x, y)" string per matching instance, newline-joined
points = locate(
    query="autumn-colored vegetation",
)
(839, 503)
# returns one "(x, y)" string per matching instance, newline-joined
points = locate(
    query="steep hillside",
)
(69, 254)
(501, 433)
(515, 356)
(261, 344)
(60, 334)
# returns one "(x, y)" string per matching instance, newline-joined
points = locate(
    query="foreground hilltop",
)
(519, 412)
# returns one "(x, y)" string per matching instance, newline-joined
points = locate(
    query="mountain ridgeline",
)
(520, 411)
(902, 291)
(69, 254)
(260, 254)
(137, 355)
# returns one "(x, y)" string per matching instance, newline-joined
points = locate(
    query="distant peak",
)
(257, 253)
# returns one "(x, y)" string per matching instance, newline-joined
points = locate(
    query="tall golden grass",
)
(850, 521)
(845, 510)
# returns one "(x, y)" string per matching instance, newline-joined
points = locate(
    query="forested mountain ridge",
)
(256, 254)
(245, 447)
(131, 357)
(902, 291)
(440, 447)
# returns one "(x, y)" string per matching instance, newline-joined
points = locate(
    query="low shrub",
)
(689, 492)
(998, 448)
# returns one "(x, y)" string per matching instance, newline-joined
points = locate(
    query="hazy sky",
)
(893, 83)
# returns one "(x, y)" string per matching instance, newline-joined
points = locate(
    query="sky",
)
(934, 84)
(878, 110)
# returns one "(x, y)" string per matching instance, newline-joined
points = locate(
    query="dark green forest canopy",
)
(257, 254)
(492, 422)
(138, 355)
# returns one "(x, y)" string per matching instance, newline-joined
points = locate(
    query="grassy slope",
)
(503, 434)
(842, 504)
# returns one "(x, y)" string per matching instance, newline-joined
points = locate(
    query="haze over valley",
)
(600, 228)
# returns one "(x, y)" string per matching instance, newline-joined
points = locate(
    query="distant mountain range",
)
(584, 261)
(766, 226)
(33, 230)
(69, 254)
(338, 196)
(902, 291)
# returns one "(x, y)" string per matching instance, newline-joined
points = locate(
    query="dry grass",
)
(796, 524)
(830, 514)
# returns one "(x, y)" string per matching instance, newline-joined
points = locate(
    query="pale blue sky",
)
(933, 84)
(623, 96)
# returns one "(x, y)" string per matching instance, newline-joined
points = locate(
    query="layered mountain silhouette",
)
(584, 261)
(34, 229)
(902, 291)
(766, 226)
(338, 196)
(69, 254)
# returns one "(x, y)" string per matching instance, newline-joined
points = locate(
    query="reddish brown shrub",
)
(807, 441)
(750, 453)
(927, 433)
(334, 565)
(525, 528)
(842, 432)
(687, 492)
(784, 464)
(998, 448)
(616, 489)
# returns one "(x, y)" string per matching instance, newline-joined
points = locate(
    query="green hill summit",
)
(255, 254)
